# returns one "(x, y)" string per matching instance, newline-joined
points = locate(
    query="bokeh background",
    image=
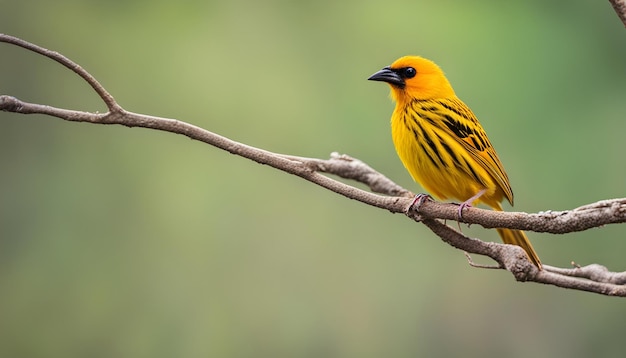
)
(118, 242)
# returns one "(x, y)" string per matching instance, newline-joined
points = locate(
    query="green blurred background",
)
(118, 242)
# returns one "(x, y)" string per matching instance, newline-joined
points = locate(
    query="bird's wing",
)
(461, 124)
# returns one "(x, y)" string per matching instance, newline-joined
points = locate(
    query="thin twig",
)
(471, 262)
(66, 62)
(593, 272)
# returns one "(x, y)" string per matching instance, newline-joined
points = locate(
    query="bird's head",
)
(414, 77)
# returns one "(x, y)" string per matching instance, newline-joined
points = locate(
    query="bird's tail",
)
(519, 238)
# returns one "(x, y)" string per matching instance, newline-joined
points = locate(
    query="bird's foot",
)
(418, 200)
(468, 203)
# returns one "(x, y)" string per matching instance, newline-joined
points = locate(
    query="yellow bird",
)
(441, 143)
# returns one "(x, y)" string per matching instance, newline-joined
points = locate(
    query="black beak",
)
(388, 75)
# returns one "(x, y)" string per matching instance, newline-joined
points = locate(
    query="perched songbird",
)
(441, 143)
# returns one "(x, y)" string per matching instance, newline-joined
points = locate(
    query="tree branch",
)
(385, 193)
(620, 8)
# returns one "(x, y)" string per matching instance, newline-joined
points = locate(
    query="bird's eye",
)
(409, 72)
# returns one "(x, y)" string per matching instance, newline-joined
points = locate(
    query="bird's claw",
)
(418, 200)
(468, 203)
(462, 206)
